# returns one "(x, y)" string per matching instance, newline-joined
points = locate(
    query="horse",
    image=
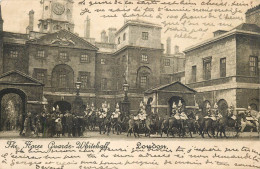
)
(227, 121)
(117, 124)
(133, 126)
(168, 124)
(190, 123)
(205, 125)
(92, 120)
(250, 123)
(152, 123)
(107, 123)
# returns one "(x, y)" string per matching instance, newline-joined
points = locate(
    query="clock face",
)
(58, 8)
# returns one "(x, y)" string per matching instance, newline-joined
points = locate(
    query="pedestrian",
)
(69, 123)
(58, 126)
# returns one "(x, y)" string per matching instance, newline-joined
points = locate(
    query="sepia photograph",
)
(108, 84)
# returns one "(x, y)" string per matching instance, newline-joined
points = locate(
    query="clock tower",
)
(56, 15)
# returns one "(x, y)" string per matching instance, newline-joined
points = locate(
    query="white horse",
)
(252, 122)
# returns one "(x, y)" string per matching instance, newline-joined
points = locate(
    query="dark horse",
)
(133, 126)
(227, 121)
(205, 125)
(152, 123)
(117, 123)
(104, 123)
(169, 124)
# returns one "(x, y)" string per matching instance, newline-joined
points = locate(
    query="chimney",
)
(252, 15)
(104, 37)
(31, 22)
(111, 35)
(1, 21)
(176, 49)
(87, 28)
(168, 46)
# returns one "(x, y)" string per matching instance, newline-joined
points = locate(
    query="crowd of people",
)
(57, 123)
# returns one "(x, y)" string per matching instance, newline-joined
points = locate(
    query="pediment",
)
(17, 77)
(63, 38)
(172, 87)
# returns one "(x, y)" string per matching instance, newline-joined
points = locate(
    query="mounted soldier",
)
(174, 109)
(250, 117)
(208, 111)
(116, 113)
(142, 114)
(215, 113)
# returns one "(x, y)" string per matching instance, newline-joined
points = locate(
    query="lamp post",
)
(78, 85)
(125, 104)
(78, 102)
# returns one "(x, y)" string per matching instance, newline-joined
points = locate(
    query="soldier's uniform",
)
(117, 113)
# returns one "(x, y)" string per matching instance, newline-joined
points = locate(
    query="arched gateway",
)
(19, 86)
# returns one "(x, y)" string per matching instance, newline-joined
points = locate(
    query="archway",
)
(253, 106)
(12, 103)
(63, 106)
(176, 100)
(222, 107)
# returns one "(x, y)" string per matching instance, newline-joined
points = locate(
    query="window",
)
(62, 80)
(194, 73)
(223, 67)
(118, 40)
(124, 37)
(84, 58)
(144, 58)
(166, 62)
(103, 61)
(45, 26)
(63, 56)
(84, 81)
(145, 35)
(104, 84)
(40, 74)
(40, 54)
(207, 68)
(143, 81)
(13, 54)
(253, 65)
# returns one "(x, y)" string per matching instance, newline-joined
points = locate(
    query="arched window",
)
(62, 76)
(222, 106)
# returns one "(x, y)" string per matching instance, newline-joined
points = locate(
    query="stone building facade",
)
(225, 69)
(57, 58)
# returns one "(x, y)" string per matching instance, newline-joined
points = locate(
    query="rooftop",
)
(253, 9)
(138, 22)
